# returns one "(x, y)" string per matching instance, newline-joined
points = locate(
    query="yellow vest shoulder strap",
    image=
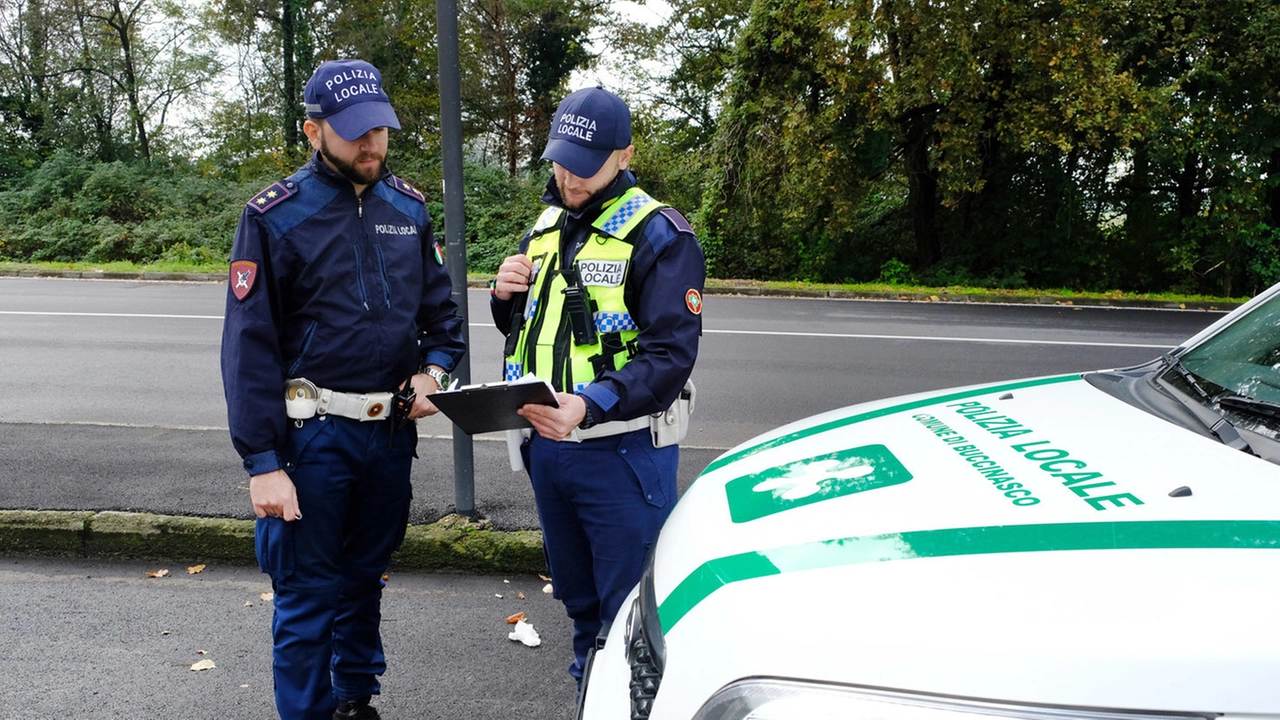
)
(626, 213)
(549, 218)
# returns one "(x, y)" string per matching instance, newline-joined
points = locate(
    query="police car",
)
(1102, 545)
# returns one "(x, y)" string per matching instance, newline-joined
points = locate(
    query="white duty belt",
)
(303, 400)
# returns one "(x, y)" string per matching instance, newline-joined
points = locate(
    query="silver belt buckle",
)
(376, 406)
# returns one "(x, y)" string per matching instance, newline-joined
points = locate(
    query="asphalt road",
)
(110, 399)
(99, 640)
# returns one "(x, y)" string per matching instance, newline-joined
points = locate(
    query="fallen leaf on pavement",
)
(195, 569)
(545, 578)
(157, 573)
(164, 632)
(267, 597)
(521, 596)
(203, 665)
(547, 588)
(248, 603)
(516, 618)
(201, 652)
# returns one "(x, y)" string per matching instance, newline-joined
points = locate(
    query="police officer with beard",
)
(339, 326)
(603, 300)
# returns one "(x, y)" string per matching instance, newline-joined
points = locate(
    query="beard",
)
(349, 170)
(576, 204)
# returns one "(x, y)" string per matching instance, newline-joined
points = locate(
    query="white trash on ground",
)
(525, 633)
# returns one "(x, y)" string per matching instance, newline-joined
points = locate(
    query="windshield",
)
(1245, 357)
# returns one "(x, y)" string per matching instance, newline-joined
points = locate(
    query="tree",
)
(398, 37)
(151, 54)
(275, 35)
(794, 153)
(522, 54)
(995, 106)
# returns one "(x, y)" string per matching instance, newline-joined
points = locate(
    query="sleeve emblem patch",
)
(243, 275)
(435, 248)
(693, 301)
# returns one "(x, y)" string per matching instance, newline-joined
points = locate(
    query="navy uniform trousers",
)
(601, 504)
(326, 569)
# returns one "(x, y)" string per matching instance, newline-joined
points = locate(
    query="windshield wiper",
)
(1187, 376)
(1216, 424)
(1265, 408)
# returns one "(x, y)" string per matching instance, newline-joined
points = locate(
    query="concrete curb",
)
(451, 544)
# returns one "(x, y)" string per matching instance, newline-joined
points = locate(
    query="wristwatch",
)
(589, 419)
(441, 377)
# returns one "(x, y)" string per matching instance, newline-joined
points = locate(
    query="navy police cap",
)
(348, 94)
(587, 127)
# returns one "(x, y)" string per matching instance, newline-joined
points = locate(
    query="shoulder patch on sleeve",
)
(677, 220)
(272, 196)
(244, 273)
(408, 189)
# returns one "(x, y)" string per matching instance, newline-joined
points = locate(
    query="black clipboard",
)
(490, 407)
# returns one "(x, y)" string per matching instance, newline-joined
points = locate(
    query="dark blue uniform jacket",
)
(349, 292)
(667, 263)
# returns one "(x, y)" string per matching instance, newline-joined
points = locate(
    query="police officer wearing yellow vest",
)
(604, 301)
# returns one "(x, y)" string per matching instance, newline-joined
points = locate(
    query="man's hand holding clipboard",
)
(556, 422)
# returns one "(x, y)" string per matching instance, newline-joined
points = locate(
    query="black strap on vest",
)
(611, 343)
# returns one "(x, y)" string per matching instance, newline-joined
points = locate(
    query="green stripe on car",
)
(1143, 535)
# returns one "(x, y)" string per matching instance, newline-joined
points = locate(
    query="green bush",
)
(499, 209)
(895, 272)
(72, 209)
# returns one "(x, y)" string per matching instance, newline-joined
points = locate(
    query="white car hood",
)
(1035, 541)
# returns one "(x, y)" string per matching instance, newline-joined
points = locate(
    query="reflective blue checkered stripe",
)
(615, 322)
(513, 371)
(546, 220)
(532, 309)
(633, 207)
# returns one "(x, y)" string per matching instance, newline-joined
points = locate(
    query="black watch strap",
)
(589, 419)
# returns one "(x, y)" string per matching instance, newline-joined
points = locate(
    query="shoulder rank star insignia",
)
(243, 275)
(693, 301)
(404, 187)
(269, 197)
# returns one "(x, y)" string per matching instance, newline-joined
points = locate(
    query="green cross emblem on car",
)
(811, 480)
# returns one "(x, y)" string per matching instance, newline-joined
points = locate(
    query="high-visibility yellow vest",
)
(544, 345)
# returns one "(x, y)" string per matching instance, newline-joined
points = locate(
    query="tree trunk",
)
(123, 24)
(288, 46)
(922, 190)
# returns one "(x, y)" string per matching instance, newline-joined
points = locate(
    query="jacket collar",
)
(320, 168)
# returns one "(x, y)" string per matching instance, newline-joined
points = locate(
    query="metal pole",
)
(464, 486)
